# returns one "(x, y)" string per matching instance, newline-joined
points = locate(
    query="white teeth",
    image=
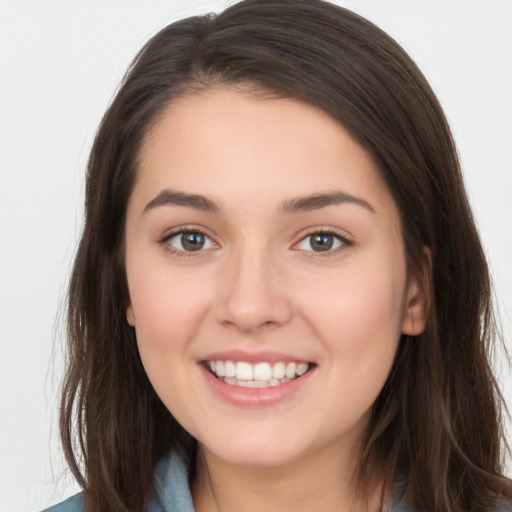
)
(252, 383)
(219, 368)
(262, 371)
(302, 368)
(278, 371)
(290, 370)
(260, 375)
(243, 371)
(229, 369)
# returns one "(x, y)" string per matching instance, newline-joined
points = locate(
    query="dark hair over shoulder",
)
(437, 420)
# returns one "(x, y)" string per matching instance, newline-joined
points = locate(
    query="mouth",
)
(259, 375)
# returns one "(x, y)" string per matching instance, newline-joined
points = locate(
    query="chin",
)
(255, 452)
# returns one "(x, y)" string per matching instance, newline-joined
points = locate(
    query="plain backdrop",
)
(60, 63)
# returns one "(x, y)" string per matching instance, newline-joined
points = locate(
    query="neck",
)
(322, 481)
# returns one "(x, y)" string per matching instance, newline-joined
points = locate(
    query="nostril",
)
(251, 299)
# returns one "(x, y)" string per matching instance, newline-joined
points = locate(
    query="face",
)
(267, 277)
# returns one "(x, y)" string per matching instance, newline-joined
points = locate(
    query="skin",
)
(258, 285)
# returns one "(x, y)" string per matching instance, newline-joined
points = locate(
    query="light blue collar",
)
(172, 490)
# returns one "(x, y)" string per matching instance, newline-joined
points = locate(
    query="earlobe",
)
(417, 299)
(130, 317)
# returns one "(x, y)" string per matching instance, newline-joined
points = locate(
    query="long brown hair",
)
(437, 421)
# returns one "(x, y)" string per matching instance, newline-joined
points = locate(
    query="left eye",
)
(321, 242)
(190, 241)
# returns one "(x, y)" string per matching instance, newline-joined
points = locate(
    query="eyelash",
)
(164, 241)
(343, 241)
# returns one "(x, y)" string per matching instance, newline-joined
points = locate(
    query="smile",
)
(260, 375)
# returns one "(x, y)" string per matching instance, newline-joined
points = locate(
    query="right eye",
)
(189, 241)
(323, 241)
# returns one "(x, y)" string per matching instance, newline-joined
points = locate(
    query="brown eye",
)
(322, 242)
(190, 241)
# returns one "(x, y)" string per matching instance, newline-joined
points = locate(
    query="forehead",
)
(225, 140)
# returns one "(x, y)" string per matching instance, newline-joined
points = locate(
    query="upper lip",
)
(252, 357)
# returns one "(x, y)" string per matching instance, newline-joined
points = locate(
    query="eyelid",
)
(345, 241)
(180, 230)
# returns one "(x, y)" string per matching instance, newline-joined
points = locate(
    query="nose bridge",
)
(252, 296)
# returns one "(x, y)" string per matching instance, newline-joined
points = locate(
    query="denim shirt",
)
(172, 492)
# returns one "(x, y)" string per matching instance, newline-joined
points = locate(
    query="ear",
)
(418, 296)
(130, 316)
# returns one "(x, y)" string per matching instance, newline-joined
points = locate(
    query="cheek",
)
(358, 318)
(168, 310)
(167, 313)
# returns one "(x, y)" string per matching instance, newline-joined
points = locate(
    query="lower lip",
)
(254, 397)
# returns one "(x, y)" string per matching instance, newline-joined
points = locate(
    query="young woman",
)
(280, 300)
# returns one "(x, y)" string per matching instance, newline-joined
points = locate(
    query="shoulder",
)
(171, 492)
(73, 504)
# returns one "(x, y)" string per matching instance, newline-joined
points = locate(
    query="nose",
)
(253, 293)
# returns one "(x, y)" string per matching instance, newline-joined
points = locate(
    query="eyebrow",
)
(170, 197)
(318, 201)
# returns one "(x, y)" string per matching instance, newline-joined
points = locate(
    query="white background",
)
(60, 63)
